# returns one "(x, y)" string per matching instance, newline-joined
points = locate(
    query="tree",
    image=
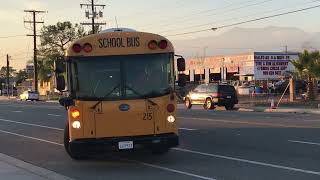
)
(21, 76)
(54, 41)
(308, 68)
(55, 38)
(3, 72)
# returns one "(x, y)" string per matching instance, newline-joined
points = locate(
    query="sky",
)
(166, 17)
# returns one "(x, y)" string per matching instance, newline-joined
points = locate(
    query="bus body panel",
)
(112, 122)
(107, 120)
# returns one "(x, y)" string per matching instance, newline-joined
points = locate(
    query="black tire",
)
(208, 104)
(160, 151)
(187, 103)
(67, 145)
(229, 107)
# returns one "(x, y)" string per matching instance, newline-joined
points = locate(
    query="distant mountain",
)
(239, 40)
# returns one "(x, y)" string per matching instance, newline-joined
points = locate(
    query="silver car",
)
(29, 95)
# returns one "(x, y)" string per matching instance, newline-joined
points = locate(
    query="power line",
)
(12, 36)
(194, 16)
(230, 19)
(244, 22)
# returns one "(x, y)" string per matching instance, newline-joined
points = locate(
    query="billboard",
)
(272, 66)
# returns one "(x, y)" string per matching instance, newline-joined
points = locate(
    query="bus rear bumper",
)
(112, 144)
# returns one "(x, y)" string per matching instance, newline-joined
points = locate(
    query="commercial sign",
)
(272, 66)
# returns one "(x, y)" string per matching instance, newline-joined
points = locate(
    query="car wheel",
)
(208, 104)
(187, 103)
(67, 145)
(229, 106)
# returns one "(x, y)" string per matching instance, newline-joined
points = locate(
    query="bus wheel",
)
(187, 103)
(67, 145)
(160, 151)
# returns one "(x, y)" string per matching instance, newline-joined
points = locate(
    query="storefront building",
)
(243, 67)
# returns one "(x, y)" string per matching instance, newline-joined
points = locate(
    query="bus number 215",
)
(147, 116)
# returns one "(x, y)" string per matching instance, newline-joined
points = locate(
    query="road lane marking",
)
(249, 161)
(29, 124)
(311, 120)
(138, 162)
(247, 122)
(56, 115)
(304, 142)
(187, 129)
(16, 111)
(29, 137)
(169, 169)
(33, 106)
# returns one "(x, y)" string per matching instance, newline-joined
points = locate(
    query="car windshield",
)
(150, 75)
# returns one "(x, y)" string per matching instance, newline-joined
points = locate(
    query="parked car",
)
(211, 95)
(280, 86)
(29, 95)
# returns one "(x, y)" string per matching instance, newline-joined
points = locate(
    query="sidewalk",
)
(14, 169)
(299, 110)
(6, 98)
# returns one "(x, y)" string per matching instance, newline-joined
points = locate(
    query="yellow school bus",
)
(121, 86)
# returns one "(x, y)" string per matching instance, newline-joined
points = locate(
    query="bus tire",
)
(67, 145)
(160, 151)
(187, 103)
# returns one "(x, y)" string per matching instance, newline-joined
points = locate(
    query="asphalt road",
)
(218, 145)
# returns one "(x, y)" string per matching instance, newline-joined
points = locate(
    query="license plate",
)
(125, 145)
(229, 97)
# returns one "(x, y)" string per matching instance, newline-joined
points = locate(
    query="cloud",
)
(35, 5)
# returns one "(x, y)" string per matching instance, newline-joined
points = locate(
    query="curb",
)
(246, 110)
(299, 111)
(45, 173)
(52, 101)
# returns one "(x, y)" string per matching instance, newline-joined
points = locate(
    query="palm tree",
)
(308, 68)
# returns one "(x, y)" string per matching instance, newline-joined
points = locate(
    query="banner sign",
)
(272, 66)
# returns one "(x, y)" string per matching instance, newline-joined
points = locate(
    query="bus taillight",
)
(170, 108)
(153, 45)
(77, 48)
(163, 44)
(87, 47)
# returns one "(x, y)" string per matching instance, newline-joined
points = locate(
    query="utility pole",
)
(286, 49)
(94, 15)
(35, 61)
(8, 74)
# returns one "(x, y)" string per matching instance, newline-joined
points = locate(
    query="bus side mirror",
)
(181, 63)
(61, 83)
(182, 82)
(66, 102)
(59, 65)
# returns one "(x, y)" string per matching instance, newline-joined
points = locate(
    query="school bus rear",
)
(122, 88)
